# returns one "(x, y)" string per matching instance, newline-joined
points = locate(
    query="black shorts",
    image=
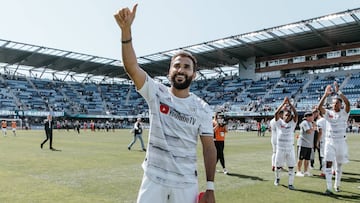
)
(304, 153)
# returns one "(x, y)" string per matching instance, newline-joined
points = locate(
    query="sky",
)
(88, 26)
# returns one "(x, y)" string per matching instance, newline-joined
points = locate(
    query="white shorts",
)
(4, 130)
(154, 192)
(285, 156)
(336, 150)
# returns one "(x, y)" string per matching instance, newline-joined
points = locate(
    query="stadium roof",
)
(215, 56)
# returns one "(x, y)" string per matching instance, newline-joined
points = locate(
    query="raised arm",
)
(343, 97)
(124, 18)
(293, 109)
(280, 108)
(322, 100)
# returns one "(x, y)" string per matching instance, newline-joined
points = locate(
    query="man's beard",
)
(183, 85)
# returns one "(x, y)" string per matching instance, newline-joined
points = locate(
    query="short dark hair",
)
(340, 100)
(186, 54)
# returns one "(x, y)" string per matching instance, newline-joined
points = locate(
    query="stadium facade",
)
(245, 75)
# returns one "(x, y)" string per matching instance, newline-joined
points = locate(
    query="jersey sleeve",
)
(148, 89)
(206, 122)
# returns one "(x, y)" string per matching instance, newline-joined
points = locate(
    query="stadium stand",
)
(297, 61)
(228, 94)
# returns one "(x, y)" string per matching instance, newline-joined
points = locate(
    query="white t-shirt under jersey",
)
(175, 124)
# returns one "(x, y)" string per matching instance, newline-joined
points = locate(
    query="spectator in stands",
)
(48, 126)
(177, 118)
(336, 149)
(137, 130)
(305, 144)
(4, 127)
(285, 152)
(220, 130)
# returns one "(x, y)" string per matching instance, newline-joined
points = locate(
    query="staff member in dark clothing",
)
(48, 124)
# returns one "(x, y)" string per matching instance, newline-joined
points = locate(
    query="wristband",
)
(210, 185)
(126, 41)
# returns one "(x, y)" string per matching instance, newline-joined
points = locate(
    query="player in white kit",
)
(285, 152)
(274, 138)
(336, 149)
(321, 124)
(177, 119)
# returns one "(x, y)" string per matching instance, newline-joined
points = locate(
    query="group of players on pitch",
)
(330, 125)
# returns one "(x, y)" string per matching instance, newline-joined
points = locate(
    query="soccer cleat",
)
(276, 182)
(300, 174)
(307, 173)
(328, 192)
(337, 189)
(225, 171)
(322, 175)
(291, 187)
(129, 148)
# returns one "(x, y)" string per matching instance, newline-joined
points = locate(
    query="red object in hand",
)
(201, 194)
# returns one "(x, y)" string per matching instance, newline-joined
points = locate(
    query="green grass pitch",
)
(98, 167)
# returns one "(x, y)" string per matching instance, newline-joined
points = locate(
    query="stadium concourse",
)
(246, 76)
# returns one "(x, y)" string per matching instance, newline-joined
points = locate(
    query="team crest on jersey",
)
(164, 108)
